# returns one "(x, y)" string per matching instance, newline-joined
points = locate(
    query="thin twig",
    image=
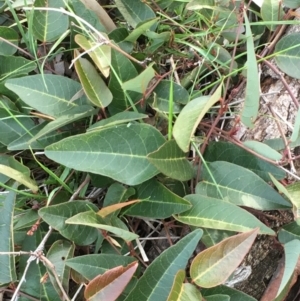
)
(76, 193)
(35, 256)
(58, 281)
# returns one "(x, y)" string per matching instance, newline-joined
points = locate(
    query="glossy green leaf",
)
(7, 262)
(252, 96)
(170, 160)
(8, 34)
(216, 214)
(239, 186)
(119, 152)
(263, 149)
(225, 151)
(291, 253)
(157, 280)
(19, 177)
(100, 55)
(289, 232)
(72, 115)
(92, 265)
(13, 125)
(54, 99)
(191, 115)
(271, 10)
(214, 265)
(234, 294)
(92, 83)
(134, 12)
(48, 26)
(157, 201)
(59, 252)
(14, 66)
(140, 83)
(123, 117)
(288, 59)
(92, 219)
(23, 142)
(110, 285)
(57, 215)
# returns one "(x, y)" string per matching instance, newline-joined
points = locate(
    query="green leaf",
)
(239, 186)
(140, 83)
(229, 152)
(293, 195)
(54, 99)
(287, 54)
(216, 214)
(97, 14)
(25, 219)
(7, 262)
(13, 125)
(213, 236)
(252, 96)
(183, 291)
(140, 29)
(124, 70)
(75, 114)
(157, 280)
(214, 265)
(289, 232)
(119, 118)
(48, 26)
(218, 297)
(19, 177)
(157, 201)
(100, 55)
(296, 130)
(92, 83)
(13, 163)
(33, 286)
(234, 294)
(191, 115)
(23, 142)
(14, 66)
(272, 11)
(110, 285)
(92, 219)
(10, 35)
(134, 12)
(291, 254)
(171, 161)
(119, 152)
(263, 149)
(92, 265)
(59, 252)
(161, 98)
(57, 215)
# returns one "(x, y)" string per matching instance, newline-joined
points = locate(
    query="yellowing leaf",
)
(214, 265)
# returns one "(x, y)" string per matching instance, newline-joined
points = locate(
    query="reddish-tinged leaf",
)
(214, 265)
(110, 209)
(110, 285)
